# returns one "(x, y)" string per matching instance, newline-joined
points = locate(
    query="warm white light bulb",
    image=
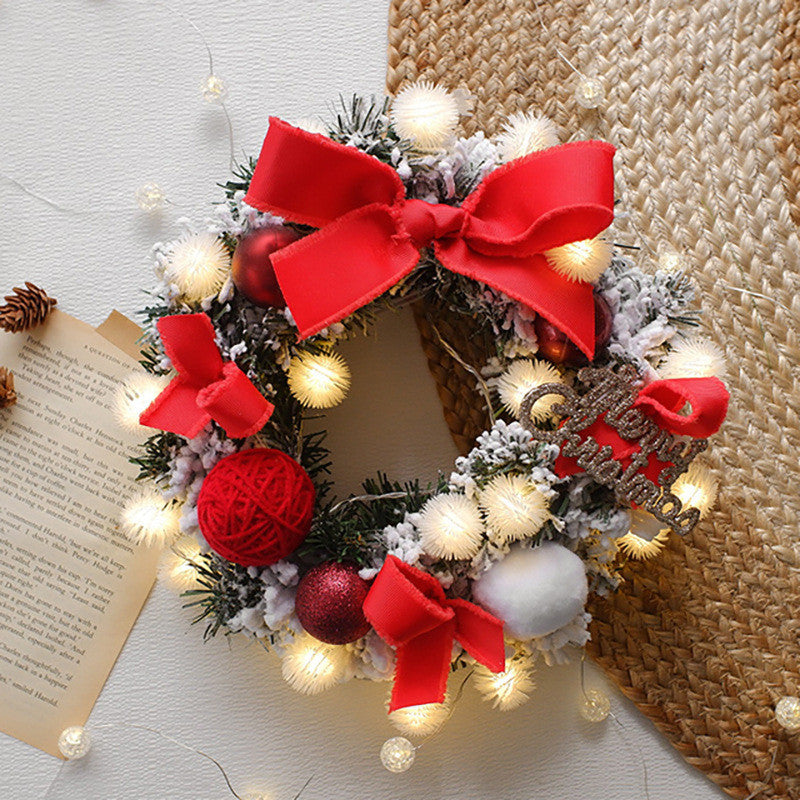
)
(787, 712)
(585, 260)
(693, 357)
(595, 706)
(310, 666)
(213, 89)
(509, 689)
(197, 265)
(589, 92)
(150, 197)
(426, 114)
(149, 519)
(524, 133)
(134, 396)
(422, 720)
(398, 754)
(451, 526)
(696, 488)
(319, 380)
(178, 568)
(515, 508)
(74, 742)
(523, 376)
(671, 260)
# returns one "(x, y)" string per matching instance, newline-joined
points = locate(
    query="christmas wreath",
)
(599, 398)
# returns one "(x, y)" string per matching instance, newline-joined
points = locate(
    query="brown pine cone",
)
(7, 394)
(25, 309)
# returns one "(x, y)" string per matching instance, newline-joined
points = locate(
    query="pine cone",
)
(25, 309)
(7, 394)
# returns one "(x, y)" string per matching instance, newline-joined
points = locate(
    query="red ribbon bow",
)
(661, 401)
(206, 387)
(409, 610)
(370, 233)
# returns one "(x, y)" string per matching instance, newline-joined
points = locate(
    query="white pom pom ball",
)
(525, 133)
(535, 591)
(425, 113)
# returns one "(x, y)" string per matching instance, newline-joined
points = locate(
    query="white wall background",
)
(96, 98)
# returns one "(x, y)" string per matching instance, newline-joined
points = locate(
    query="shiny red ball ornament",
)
(556, 347)
(251, 266)
(329, 603)
(255, 507)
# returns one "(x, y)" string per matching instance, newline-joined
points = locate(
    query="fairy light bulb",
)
(422, 720)
(398, 754)
(425, 113)
(589, 92)
(310, 666)
(787, 713)
(74, 742)
(213, 89)
(515, 507)
(595, 706)
(319, 380)
(178, 568)
(451, 526)
(150, 197)
(585, 260)
(646, 537)
(523, 376)
(694, 357)
(197, 265)
(671, 260)
(134, 396)
(509, 689)
(148, 519)
(696, 488)
(524, 133)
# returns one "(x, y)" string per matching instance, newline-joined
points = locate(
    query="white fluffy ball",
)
(534, 591)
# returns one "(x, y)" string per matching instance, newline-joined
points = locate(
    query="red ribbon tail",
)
(331, 273)
(481, 634)
(707, 399)
(235, 403)
(176, 410)
(423, 665)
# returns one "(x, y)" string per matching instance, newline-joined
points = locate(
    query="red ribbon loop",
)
(409, 610)
(370, 234)
(206, 387)
(662, 401)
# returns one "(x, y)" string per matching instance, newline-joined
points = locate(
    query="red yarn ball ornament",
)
(329, 603)
(255, 507)
(251, 266)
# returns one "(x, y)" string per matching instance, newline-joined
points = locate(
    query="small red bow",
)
(661, 401)
(370, 233)
(206, 387)
(409, 610)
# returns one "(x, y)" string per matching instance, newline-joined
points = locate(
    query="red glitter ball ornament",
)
(556, 347)
(329, 603)
(255, 507)
(251, 266)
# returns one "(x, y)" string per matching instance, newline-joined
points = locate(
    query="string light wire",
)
(167, 738)
(622, 732)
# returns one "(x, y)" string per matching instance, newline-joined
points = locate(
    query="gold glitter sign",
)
(608, 398)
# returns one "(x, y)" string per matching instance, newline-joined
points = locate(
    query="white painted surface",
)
(96, 98)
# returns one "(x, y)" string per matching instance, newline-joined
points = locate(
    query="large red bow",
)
(370, 233)
(206, 387)
(409, 610)
(662, 401)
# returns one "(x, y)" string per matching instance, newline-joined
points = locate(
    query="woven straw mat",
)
(702, 102)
